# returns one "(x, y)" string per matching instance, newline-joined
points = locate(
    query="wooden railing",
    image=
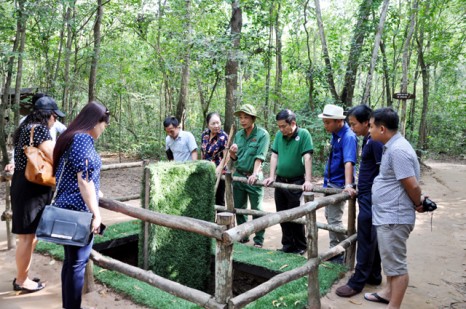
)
(226, 234)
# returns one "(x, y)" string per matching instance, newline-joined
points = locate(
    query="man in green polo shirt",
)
(248, 152)
(291, 163)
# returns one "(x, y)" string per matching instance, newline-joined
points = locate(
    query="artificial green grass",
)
(293, 294)
(187, 190)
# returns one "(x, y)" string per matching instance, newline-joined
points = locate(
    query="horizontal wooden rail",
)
(126, 198)
(115, 166)
(260, 183)
(198, 297)
(175, 222)
(259, 213)
(241, 231)
(283, 278)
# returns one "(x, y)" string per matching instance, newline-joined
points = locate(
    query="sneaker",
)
(346, 291)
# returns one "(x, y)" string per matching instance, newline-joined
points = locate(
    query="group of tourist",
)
(388, 189)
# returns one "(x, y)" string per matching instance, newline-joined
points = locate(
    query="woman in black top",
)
(29, 199)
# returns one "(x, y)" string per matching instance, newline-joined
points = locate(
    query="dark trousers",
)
(72, 274)
(293, 235)
(220, 194)
(368, 269)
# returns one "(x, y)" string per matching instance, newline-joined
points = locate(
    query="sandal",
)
(17, 287)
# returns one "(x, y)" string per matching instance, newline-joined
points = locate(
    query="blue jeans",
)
(72, 274)
(368, 269)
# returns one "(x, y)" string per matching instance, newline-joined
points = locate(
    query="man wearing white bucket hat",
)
(339, 170)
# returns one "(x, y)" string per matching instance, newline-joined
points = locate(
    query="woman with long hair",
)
(214, 140)
(28, 199)
(77, 168)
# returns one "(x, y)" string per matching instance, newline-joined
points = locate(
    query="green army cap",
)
(247, 109)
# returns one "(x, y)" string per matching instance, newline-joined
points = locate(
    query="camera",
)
(428, 205)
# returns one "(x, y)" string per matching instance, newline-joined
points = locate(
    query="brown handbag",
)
(39, 168)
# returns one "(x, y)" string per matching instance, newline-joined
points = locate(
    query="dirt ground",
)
(436, 249)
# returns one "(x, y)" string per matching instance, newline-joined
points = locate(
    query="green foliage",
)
(182, 189)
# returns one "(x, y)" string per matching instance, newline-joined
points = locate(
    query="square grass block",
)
(182, 189)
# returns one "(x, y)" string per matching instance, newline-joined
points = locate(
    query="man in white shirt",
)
(180, 145)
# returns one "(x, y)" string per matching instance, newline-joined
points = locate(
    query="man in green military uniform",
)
(291, 163)
(248, 152)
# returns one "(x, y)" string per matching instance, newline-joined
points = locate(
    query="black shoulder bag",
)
(64, 226)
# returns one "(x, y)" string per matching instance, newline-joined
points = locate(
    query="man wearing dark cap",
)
(248, 152)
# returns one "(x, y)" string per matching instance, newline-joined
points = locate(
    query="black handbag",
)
(64, 226)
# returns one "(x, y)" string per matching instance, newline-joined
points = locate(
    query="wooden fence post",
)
(312, 253)
(11, 239)
(145, 241)
(229, 190)
(351, 251)
(224, 262)
(89, 284)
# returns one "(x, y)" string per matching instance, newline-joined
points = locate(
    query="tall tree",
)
(95, 55)
(183, 98)
(328, 64)
(422, 141)
(405, 64)
(231, 68)
(278, 61)
(310, 67)
(375, 52)
(357, 42)
(8, 79)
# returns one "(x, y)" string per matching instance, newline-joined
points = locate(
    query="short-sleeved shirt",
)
(251, 148)
(290, 151)
(391, 203)
(371, 155)
(81, 156)
(212, 148)
(41, 134)
(344, 149)
(182, 146)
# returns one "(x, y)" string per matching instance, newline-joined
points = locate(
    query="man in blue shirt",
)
(339, 170)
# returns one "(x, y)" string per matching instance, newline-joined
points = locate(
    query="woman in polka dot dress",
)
(28, 199)
(77, 168)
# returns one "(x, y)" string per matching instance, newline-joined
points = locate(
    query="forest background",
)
(148, 59)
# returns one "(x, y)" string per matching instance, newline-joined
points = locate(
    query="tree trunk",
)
(278, 64)
(70, 14)
(422, 140)
(375, 52)
(268, 66)
(95, 55)
(328, 63)
(60, 48)
(309, 72)
(184, 88)
(388, 92)
(405, 64)
(231, 68)
(357, 43)
(22, 18)
(6, 88)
